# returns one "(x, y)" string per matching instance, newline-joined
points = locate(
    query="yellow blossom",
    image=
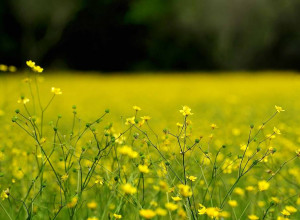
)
(192, 178)
(147, 213)
(161, 212)
(130, 121)
(233, 203)
(73, 202)
(184, 190)
(143, 168)
(186, 111)
(285, 212)
(4, 194)
(290, 209)
(129, 189)
(64, 177)
(202, 209)
(92, 218)
(279, 109)
(136, 108)
(92, 205)
(213, 126)
(171, 206)
(23, 100)
(179, 125)
(56, 91)
(176, 198)
(146, 118)
(3, 67)
(30, 63)
(117, 216)
(263, 185)
(253, 217)
(276, 130)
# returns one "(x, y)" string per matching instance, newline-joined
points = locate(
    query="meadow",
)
(77, 145)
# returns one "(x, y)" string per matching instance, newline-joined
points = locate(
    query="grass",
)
(232, 101)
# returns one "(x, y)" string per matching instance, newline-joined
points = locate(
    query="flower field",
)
(149, 146)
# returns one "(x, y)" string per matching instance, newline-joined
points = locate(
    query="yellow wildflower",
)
(146, 118)
(64, 177)
(263, 185)
(117, 216)
(279, 109)
(253, 217)
(30, 63)
(73, 202)
(143, 168)
(136, 108)
(202, 209)
(147, 213)
(192, 178)
(23, 100)
(4, 194)
(92, 205)
(186, 111)
(276, 130)
(176, 198)
(130, 121)
(285, 212)
(56, 91)
(129, 189)
(185, 190)
(3, 67)
(171, 206)
(290, 209)
(233, 203)
(161, 212)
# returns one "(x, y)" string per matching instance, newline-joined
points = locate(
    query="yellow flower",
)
(202, 209)
(98, 181)
(161, 212)
(250, 188)
(279, 109)
(276, 130)
(298, 152)
(117, 216)
(3, 68)
(143, 168)
(64, 177)
(263, 185)
(239, 191)
(192, 178)
(261, 203)
(37, 69)
(23, 100)
(275, 199)
(127, 150)
(176, 198)
(285, 212)
(253, 217)
(129, 189)
(213, 212)
(4, 194)
(56, 91)
(92, 218)
(73, 202)
(186, 111)
(185, 190)
(92, 205)
(179, 125)
(130, 121)
(12, 69)
(171, 206)
(233, 203)
(146, 118)
(136, 108)
(290, 209)
(147, 213)
(182, 213)
(30, 63)
(213, 126)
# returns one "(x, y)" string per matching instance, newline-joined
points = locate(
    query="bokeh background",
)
(151, 35)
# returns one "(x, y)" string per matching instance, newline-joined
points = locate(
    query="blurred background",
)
(151, 35)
